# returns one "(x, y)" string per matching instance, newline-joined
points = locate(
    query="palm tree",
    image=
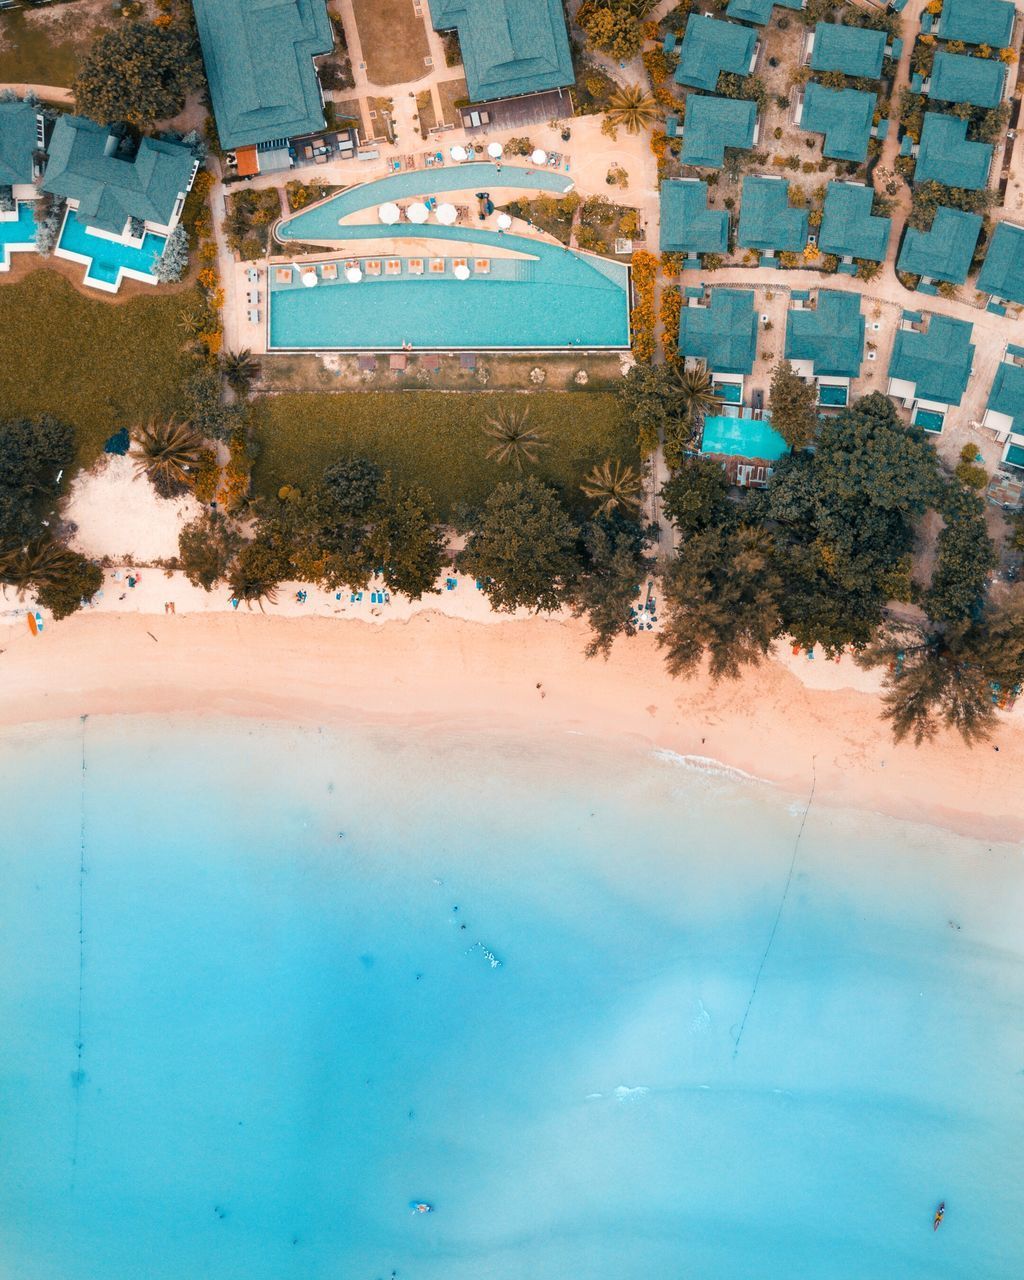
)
(168, 453)
(190, 323)
(694, 393)
(612, 485)
(239, 368)
(515, 440)
(40, 564)
(633, 107)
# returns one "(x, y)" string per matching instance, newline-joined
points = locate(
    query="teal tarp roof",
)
(767, 219)
(957, 77)
(977, 22)
(110, 190)
(848, 227)
(17, 143)
(937, 362)
(710, 47)
(844, 116)
(687, 224)
(509, 47)
(944, 154)
(259, 64)
(831, 337)
(724, 333)
(1002, 272)
(944, 252)
(742, 438)
(759, 11)
(855, 51)
(1007, 394)
(712, 124)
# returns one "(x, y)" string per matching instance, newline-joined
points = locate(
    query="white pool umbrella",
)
(494, 149)
(417, 212)
(504, 221)
(353, 275)
(460, 272)
(309, 279)
(389, 213)
(539, 157)
(446, 214)
(459, 153)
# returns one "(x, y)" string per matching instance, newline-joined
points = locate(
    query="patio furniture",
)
(254, 316)
(437, 266)
(397, 362)
(393, 267)
(252, 275)
(252, 297)
(460, 262)
(415, 266)
(283, 275)
(329, 271)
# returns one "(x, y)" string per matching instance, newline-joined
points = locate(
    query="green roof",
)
(509, 47)
(723, 333)
(83, 165)
(758, 11)
(1002, 272)
(687, 224)
(1007, 394)
(712, 124)
(855, 51)
(259, 64)
(742, 438)
(17, 143)
(957, 77)
(711, 47)
(937, 362)
(943, 252)
(831, 336)
(977, 22)
(767, 219)
(944, 154)
(844, 116)
(848, 227)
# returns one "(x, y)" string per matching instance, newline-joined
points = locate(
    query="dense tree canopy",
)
(697, 496)
(615, 561)
(33, 452)
(966, 557)
(138, 73)
(794, 406)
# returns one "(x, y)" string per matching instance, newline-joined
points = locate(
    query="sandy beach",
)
(524, 675)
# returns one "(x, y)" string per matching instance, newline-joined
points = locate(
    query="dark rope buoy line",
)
(778, 914)
(79, 1074)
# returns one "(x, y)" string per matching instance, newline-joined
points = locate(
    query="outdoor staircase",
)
(524, 270)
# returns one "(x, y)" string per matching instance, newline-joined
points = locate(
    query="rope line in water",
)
(778, 914)
(79, 1042)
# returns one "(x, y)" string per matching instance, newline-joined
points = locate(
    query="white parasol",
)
(446, 214)
(539, 157)
(459, 153)
(389, 213)
(494, 150)
(417, 212)
(309, 279)
(504, 221)
(353, 274)
(461, 272)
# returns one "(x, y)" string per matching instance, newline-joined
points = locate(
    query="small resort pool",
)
(929, 419)
(16, 231)
(109, 260)
(742, 438)
(730, 392)
(832, 394)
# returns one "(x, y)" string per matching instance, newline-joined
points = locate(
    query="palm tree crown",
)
(240, 368)
(168, 453)
(633, 107)
(612, 486)
(515, 440)
(694, 393)
(40, 564)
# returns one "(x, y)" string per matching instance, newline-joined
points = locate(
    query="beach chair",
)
(437, 266)
(283, 275)
(251, 316)
(329, 271)
(352, 262)
(460, 262)
(393, 267)
(373, 266)
(415, 266)
(482, 266)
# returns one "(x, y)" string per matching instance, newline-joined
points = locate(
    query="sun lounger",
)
(352, 263)
(437, 266)
(482, 266)
(253, 316)
(252, 275)
(415, 266)
(393, 267)
(459, 262)
(329, 271)
(283, 275)
(373, 266)
(397, 362)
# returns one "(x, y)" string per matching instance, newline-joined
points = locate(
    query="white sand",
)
(119, 514)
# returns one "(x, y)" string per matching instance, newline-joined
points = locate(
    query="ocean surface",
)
(615, 1015)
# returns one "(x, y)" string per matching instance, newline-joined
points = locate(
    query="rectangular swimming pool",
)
(18, 232)
(929, 419)
(107, 259)
(832, 395)
(742, 438)
(730, 392)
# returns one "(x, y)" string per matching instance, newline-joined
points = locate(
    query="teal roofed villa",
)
(759, 11)
(767, 220)
(945, 155)
(931, 367)
(259, 65)
(710, 47)
(509, 47)
(826, 340)
(1004, 416)
(687, 224)
(956, 77)
(722, 332)
(976, 22)
(1002, 272)
(21, 137)
(945, 250)
(845, 118)
(848, 227)
(855, 51)
(714, 125)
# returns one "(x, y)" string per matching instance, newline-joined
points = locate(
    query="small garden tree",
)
(793, 403)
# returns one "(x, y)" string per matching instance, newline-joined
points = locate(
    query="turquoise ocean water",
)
(262, 986)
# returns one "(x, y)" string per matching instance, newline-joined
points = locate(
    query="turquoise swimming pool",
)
(17, 232)
(742, 438)
(730, 392)
(929, 419)
(833, 395)
(108, 260)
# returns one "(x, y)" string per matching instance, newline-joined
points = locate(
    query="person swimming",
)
(940, 1213)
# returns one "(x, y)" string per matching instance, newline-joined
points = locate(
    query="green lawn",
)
(435, 438)
(95, 364)
(41, 50)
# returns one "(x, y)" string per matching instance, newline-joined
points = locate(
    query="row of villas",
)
(929, 370)
(122, 198)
